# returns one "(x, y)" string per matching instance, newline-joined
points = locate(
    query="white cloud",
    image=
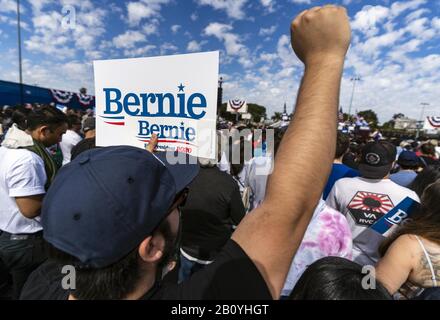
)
(194, 16)
(232, 42)
(9, 6)
(168, 47)
(373, 45)
(151, 28)
(194, 46)
(139, 52)
(285, 53)
(301, 1)
(399, 7)
(144, 9)
(175, 28)
(233, 8)
(267, 31)
(436, 23)
(37, 5)
(420, 28)
(129, 39)
(368, 18)
(416, 14)
(268, 57)
(268, 5)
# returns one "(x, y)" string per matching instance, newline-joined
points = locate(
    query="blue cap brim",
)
(183, 167)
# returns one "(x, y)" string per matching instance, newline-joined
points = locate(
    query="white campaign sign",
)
(174, 97)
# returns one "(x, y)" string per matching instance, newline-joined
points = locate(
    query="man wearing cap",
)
(365, 199)
(89, 141)
(408, 163)
(113, 213)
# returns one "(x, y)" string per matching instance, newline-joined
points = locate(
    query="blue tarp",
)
(10, 95)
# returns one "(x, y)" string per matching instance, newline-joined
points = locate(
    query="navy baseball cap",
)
(408, 159)
(108, 200)
(377, 159)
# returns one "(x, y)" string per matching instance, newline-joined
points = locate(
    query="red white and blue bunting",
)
(63, 97)
(236, 105)
(84, 99)
(434, 121)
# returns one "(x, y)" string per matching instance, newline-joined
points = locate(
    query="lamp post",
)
(19, 52)
(354, 80)
(424, 105)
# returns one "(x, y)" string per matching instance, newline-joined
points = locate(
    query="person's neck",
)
(144, 285)
(338, 161)
(33, 134)
(89, 135)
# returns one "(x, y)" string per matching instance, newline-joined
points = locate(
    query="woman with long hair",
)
(411, 257)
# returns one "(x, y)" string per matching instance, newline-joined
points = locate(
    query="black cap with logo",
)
(377, 159)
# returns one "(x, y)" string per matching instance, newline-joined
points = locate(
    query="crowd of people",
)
(302, 218)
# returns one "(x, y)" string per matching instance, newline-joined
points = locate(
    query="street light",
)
(20, 71)
(354, 80)
(424, 105)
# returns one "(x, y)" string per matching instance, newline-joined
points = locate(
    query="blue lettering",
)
(109, 101)
(143, 128)
(160, 99)
(134, 103)
(145, 98)
(154, 129)
(191, 105)
(190, 134)
(155, 105)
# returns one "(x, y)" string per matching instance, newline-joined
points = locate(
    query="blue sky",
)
(395, 47)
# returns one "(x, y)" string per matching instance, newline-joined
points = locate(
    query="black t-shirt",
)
(83, 145)
(213, 207)
(233, 276)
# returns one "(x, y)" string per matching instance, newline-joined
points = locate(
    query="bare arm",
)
(394, 269)
(30, 206)
(272, 234)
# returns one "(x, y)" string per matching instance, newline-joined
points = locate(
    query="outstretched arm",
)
(273, 232)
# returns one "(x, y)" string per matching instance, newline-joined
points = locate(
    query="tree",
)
(370, 116)
(389, 125)
(398, 116)
(277, 116)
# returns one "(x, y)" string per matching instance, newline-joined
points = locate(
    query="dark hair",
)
(118, 280)
(46, 116)
(84, 145)
(342, 144)
(426, 224)
(19, 117)
(428, 148)
(428, 176)
(334, 278)
(72, 120)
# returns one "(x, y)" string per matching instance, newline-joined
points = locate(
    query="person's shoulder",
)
(45, 283)
(221, 280)
(23, 156)
(407, 243)
(405, 191)
(222, 177)
(347, 182)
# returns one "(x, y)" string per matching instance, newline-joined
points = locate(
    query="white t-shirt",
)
(22, 174)
(364, 201)
(258, 171)
(70, 139)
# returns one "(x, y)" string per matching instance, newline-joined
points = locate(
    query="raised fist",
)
(321, 33)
